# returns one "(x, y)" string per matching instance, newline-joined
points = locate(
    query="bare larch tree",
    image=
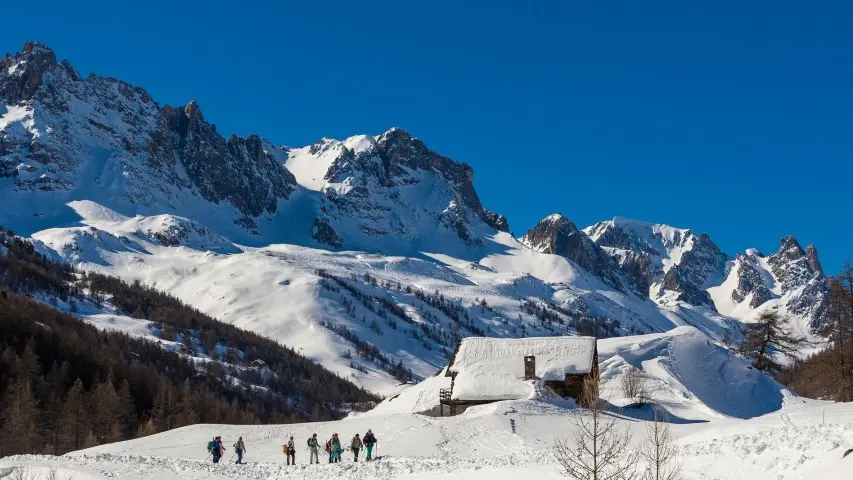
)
(599, 449)
(660, 452)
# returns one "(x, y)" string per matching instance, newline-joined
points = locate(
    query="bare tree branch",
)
(599, 448)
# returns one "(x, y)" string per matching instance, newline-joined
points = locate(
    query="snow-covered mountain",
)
(365, 254)
(392, 194)
(676, 263)
(791, 279)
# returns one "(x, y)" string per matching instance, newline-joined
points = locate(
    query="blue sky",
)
(729, 119)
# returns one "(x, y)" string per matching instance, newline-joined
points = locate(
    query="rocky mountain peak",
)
(393, 186)
(38, 52)
(813, 261)
(557, 235)
(242, 171)
(790, 248)
(800, 276)
(750, 281)
(25, 71)
(673, 260)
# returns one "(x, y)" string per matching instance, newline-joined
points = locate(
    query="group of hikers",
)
(217, 449)
(333, 448)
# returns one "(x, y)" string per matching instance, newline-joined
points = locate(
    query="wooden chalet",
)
(485, 370)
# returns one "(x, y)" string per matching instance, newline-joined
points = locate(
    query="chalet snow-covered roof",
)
(493, 368)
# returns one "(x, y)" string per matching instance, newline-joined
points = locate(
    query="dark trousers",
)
(239, 456)
(216, 457)
(355, 453)
(291, 457)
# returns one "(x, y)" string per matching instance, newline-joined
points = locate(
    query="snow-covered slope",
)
(727, 421)
(689, 376)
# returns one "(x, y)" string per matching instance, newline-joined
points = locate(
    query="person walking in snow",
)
(336, 449)
(217, 449)
(314, 449)
(239, 448)
(369, 441)
(329, 449)
(291, 451)
(356, 446)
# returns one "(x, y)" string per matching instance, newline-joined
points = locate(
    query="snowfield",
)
(729, 422)
(504, 440)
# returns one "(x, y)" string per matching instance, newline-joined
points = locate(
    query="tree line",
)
(67, 385)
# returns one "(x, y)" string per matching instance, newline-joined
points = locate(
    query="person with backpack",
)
(211, 446)
(239, 448)
(291, 451)
(369, 441)
(356, 446)
(336, 449)
(314, 449)
(329, 449)
(216, 449)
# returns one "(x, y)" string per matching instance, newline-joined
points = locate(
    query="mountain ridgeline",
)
(374, 244)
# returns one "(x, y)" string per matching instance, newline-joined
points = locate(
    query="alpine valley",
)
(374, 244)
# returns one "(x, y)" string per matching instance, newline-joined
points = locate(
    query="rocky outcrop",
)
(392, 190)
(669, 260)
(495, 220)
(751, 282)
(240, 171)
(557, 235)
(801, 279)
(324, 234)
(25, 71)
(150, 157)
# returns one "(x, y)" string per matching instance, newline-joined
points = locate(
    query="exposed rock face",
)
(750, 281)
(557, 235)
(392, 190)
(24, 72)
(241, 171)
(801, 279)
(495, 220)
(60, 124)
(668, 260)
(325, 234)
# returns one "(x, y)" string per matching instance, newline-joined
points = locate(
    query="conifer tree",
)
(19, 434)
(75, 417)
(768, 335)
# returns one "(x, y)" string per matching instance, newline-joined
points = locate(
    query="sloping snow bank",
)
(419, 398)
(689, 376)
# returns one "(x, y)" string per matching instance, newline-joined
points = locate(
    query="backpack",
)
(284, 449)
(210, 445)
(328, 445)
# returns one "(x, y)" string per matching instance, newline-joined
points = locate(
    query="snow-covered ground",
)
(729, 422)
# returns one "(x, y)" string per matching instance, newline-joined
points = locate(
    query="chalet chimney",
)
(529, 367)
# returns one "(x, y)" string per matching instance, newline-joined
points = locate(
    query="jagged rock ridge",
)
(558, 235)
(59, 130)
(672, 262)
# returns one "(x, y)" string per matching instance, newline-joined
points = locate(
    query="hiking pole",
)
(232, 457)
(208, 457)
